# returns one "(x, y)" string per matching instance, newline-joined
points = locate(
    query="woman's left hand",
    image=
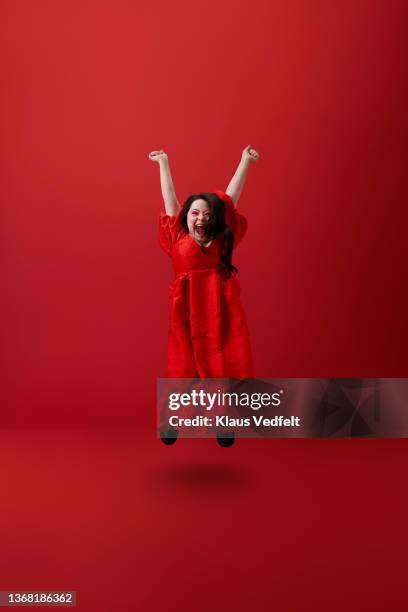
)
(250, 154)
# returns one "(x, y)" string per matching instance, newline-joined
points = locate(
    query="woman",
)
(208, 333)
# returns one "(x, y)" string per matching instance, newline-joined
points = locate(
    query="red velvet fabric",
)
(208, 333)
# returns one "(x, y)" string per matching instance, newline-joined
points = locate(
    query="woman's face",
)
(197, 219)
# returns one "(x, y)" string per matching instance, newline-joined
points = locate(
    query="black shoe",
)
(226, 439)
(169, 437)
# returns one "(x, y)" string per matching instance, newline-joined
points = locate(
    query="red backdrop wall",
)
(90, 88)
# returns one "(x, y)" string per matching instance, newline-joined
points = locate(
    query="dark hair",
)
(216, 225)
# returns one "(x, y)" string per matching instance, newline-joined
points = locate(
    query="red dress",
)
(208, 333)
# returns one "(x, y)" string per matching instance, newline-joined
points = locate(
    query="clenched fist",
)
(250, 154)
(157, 156)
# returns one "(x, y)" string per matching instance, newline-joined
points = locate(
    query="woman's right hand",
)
(250, 154)
(157, 156)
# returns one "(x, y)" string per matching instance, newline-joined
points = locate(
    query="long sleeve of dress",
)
(169, 229)
(233, 218)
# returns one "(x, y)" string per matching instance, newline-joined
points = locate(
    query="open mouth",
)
(200, 229)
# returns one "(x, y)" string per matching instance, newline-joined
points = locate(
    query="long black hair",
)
(216, 225)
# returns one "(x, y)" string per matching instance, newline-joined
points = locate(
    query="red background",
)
(319, 89)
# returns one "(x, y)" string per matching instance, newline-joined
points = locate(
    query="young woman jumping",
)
(208, 333)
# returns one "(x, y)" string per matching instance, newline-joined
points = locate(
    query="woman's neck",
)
(203, 243)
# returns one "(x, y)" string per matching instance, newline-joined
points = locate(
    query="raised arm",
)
(237, 182)
(167, 188)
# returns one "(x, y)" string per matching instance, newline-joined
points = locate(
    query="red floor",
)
(131, 524)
